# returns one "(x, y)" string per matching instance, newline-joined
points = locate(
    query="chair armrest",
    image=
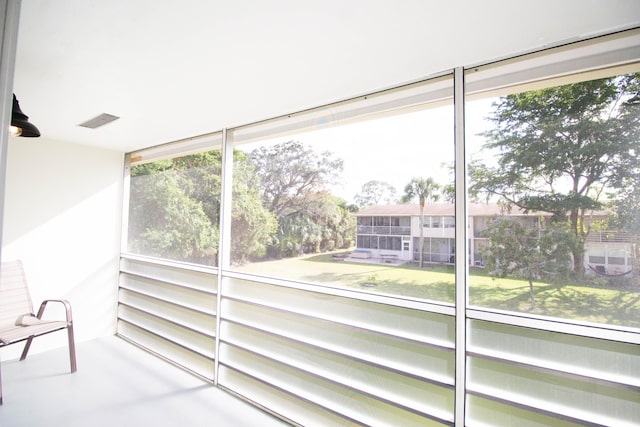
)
(66, 304)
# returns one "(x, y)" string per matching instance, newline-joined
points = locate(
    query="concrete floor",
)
(116, 384)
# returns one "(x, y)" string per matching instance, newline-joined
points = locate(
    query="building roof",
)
(444, 209)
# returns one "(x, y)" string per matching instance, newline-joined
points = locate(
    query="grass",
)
(604, 303)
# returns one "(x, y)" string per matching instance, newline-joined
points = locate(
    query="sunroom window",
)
(557, 154)
(315, 172)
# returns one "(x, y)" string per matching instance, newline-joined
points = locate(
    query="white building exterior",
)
(393, 231)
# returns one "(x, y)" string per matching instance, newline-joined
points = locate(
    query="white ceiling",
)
(181, 68)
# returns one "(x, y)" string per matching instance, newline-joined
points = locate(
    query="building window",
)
(365, 220)
(381, 221)
(435, 221)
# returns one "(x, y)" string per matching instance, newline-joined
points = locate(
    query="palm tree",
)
(424, 190)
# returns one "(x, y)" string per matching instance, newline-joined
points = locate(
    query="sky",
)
(393, 149)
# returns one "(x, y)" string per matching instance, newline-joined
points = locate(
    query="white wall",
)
(62, 218)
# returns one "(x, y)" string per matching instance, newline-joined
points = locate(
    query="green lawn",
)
(609, 304)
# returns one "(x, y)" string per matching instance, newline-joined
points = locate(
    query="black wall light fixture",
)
(20, 125)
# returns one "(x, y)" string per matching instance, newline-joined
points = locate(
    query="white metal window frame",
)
(598, 57)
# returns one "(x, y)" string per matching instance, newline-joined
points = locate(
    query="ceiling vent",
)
(98, 121)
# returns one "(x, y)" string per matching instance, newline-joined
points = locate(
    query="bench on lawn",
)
(388, 257)
(359, 253)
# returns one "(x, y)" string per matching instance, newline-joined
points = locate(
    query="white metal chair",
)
(17, 319)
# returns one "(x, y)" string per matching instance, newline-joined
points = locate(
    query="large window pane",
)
(174, 208)
(337, 199)
(555, 176)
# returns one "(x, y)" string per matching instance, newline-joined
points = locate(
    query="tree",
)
(325, 224)
(560, 147)
(292, 181)
(424, 190)
(625, 206)
(289, 171)
(449, 190)
(449, 193)
(528, 251)
(200, 179)
(337, 222)
(625, 214)
(625, 197)
(164, 221)
(175, 209)
(375, 193)
(252, 226)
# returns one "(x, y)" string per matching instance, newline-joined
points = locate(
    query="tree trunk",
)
(578, 261)
(531, 295)
(421, 236)
(578, 253)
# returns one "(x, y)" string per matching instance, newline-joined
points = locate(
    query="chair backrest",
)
(15, 299)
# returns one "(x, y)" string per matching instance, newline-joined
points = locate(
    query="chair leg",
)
(26, 349)
(72, 349)
(0, 387)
